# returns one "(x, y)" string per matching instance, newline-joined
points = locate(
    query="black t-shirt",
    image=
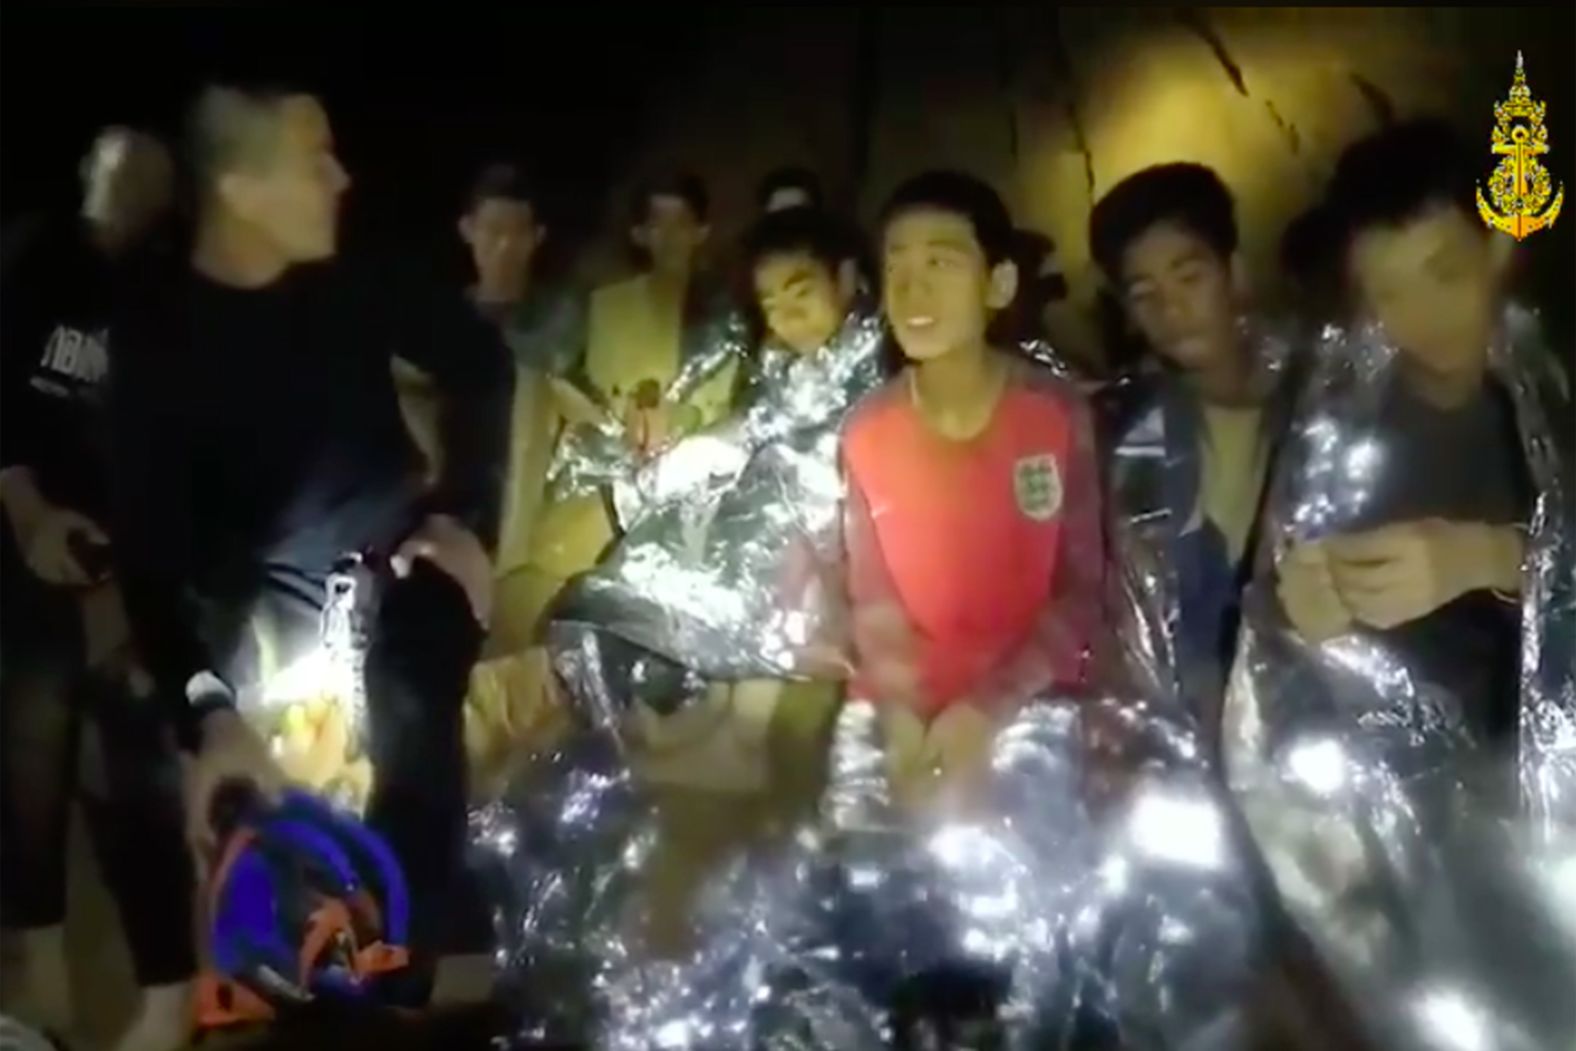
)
(57, 305)
(1463, 464)
(258, 439)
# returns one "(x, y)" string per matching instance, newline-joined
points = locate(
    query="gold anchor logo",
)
(1520, 186)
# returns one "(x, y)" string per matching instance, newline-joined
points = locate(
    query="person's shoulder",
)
(616, 293)
(875, 417)
(563, 301)
(1036, 386)
(1127, 400)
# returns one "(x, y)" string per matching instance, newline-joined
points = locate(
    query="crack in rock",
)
(1196, 23)
(1006, 79)
(1293, 137)
(1064, 62)
(1375, 96)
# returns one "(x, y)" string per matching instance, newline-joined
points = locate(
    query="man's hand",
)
(454, 549)
(44, 533)
(1398, 573)
(647, 430)
(1308, 594)
(49, 550)
(231, 751)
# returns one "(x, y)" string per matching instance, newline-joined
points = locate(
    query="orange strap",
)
(222, 1002)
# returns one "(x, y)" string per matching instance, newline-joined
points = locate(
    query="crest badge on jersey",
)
(1037, 483)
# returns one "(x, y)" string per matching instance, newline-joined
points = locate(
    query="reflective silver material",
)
(1548, 595)
(1042, 353)
(729, 560)
(1150, 447)
(591, 455)
(559, 858)
(1442, 898)
(1098, 889)
(856, 795)
(725, 339)
(1142, 523)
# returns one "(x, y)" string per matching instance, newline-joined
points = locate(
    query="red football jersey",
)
(973, 564)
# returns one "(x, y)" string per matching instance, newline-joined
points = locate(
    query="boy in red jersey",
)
(973, 533)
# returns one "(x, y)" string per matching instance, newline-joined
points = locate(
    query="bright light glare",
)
(1320, 765)
(312, 675)
(1182, 831)
(1451, 1021)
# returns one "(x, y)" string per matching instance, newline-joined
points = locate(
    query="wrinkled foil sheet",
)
(1444, 905)
(1098, 893)
(1148, 514)
(592, 455)
(1142, 523)
(729, 560)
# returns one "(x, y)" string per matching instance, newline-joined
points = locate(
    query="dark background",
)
(1052, 104)
(418, 100)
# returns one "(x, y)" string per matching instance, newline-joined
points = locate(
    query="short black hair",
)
(794, 230)
(1397, 174)
(1307, 253)
(963, 195)
(503, 181)
(1189, 195)
(789, 177)
(687, 186)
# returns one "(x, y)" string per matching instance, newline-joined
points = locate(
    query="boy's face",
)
(1181, 295)
(293, 195)
(802, 300)
(503, 236)
(1433, 283)
(672, 234)
(939, 289)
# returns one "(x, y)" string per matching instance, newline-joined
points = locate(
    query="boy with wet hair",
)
(973, 523)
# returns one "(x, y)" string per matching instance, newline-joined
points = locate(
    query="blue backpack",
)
(305, 905)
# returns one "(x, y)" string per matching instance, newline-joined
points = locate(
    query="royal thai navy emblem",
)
(1519, 189)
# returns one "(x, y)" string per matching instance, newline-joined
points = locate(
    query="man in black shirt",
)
(259, 440)
(65, 640)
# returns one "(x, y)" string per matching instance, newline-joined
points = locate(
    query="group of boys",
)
(250, 434)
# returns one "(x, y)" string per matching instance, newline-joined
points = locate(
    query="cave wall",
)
(1055, 105)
